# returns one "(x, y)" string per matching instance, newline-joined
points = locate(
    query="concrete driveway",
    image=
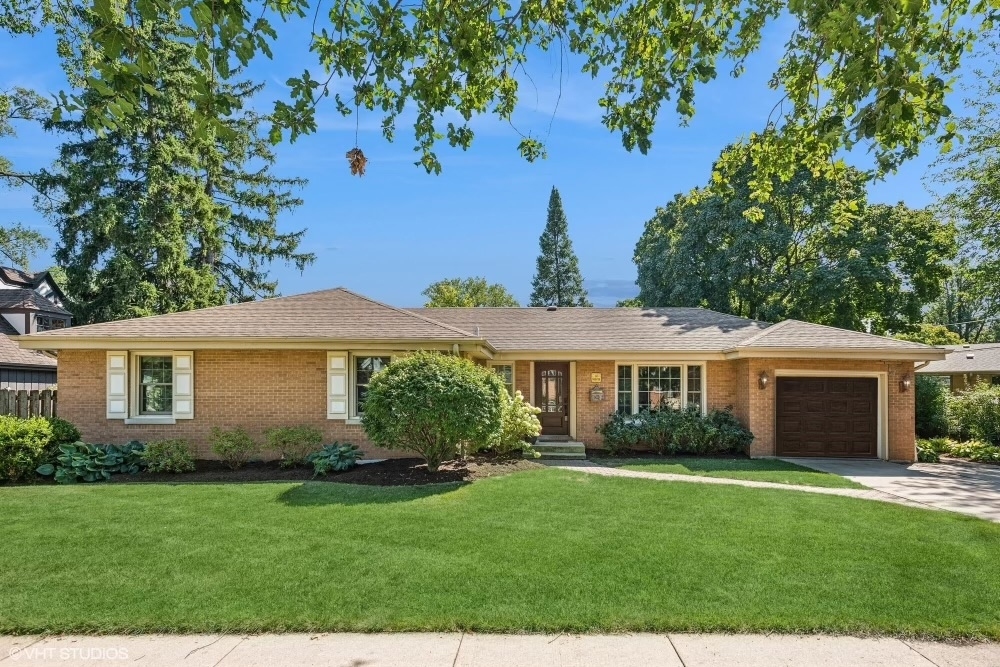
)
(959, 486)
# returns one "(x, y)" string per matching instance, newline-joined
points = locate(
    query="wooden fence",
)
(24, 403)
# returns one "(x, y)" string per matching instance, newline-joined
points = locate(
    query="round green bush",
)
(23, 444)
(63, 432)
(434, 404)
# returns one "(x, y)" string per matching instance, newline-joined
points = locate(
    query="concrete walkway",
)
(958, 486)
(867, 494)
(472, 650)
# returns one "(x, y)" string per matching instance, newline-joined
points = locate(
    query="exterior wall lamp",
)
(905, 383)
(763, 380)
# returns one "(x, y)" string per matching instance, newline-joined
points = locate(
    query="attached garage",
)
(827, 416)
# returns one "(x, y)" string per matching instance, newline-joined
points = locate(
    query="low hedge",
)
(677, 432)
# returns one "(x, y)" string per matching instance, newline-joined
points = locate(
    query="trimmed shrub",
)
(23, 444)
(234, 446)
(337, 457)
(433, 405)
(621, 433)
(63, 432)
(975, 414)
(931, 407)
(294, 443)
(519, 422)
(168, 456)
(669, 431)
(80, 462)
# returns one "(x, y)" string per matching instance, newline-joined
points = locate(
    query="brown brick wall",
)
(591, 414)
(261, 389)
(254, 389)
(522, 378)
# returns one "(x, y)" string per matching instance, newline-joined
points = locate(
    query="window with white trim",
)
(364, 369)
(505, 371)
(654, 387)
(156, 385)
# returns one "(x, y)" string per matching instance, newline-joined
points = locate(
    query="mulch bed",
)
(391, 472)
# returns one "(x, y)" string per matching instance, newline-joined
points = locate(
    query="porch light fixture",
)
(904, 384)
(762, 380)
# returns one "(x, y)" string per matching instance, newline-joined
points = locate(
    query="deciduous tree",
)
(816, 252)
(468, 293)
(849, 72)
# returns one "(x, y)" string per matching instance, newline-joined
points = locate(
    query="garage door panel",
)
(826, 417)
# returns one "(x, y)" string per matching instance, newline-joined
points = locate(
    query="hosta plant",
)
(336, 457)
(82, 462)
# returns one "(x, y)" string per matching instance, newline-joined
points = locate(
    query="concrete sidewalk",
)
(467, 650)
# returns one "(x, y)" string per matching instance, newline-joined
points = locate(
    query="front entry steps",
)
(559, 447)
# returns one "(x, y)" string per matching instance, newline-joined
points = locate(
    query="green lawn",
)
(759, 470)
(543, 550)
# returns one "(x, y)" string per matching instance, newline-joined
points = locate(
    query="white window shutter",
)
(336, 385)
(117, 370)
(183, 385)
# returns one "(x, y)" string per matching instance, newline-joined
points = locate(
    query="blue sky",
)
(396, 230)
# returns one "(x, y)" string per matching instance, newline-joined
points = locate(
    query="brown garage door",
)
(827, 417)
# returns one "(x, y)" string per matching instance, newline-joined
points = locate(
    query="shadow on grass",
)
(319, 494)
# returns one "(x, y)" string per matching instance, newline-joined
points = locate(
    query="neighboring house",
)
(803, 389)
(967, 365)
(29, 303)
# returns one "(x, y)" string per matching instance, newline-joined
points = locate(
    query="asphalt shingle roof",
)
(11, 354)
(624, 329)
(22, 297)
(339, 314)
(333, 314)
(985, 359)
(798, 334)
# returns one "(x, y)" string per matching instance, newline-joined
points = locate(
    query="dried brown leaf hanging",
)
(357, 160)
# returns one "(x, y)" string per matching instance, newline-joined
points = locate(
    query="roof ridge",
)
(760, 334)
(407, 312)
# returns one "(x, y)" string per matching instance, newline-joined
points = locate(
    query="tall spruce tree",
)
(155, 216)
(557, 279)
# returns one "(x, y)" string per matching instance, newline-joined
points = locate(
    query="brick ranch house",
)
(803, 389)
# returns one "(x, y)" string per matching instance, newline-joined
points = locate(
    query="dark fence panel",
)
(25, 403)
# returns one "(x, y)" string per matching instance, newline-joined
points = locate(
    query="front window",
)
(643, 387)
(659, 387)
(694, 385)
(46, 323)
(625, 390)
(506, 371)
(156, 385)
(364, 369)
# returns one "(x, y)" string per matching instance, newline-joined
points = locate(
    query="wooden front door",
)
(552, 396)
